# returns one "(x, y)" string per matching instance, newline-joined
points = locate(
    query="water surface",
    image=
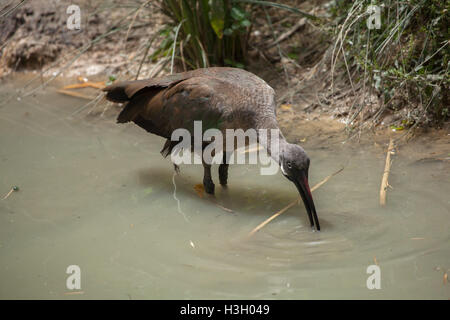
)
(99, 195)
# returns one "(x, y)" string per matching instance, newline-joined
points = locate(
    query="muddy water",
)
(100, 196)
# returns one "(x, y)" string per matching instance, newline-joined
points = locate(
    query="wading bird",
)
(222, 98)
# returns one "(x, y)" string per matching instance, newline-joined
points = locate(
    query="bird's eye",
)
(289, 165)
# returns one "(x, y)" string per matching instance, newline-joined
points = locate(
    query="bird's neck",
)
(273, 141)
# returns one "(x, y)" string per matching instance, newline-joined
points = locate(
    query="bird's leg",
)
(223, 174)
(208, 184)
(223, 169)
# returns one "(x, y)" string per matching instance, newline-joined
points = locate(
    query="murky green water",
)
(100, 196)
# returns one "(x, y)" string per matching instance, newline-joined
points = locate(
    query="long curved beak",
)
(301, 182)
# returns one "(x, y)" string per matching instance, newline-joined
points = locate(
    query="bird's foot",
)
(209, 186)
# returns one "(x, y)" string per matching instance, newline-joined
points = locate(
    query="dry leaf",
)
(199, 189)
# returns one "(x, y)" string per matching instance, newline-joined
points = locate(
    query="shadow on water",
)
(236, 196)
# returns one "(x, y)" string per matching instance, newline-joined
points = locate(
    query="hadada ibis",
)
(222, 98)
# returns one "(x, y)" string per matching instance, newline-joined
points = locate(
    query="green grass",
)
(213, 32)
(203, 33)
(406, 61)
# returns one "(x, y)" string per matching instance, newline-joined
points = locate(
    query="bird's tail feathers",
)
(167, 148)
(116, 92)
(125, 90)
(138, 93)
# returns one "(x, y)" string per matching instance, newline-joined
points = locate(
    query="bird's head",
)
(294, 164)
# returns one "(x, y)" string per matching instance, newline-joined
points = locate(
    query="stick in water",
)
(387, 169)
(15, 188)
(293, 203)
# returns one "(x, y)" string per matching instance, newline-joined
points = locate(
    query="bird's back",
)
(220, 97)
(240, 80)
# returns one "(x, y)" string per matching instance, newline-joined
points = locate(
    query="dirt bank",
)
(36, 37)
(114, 41)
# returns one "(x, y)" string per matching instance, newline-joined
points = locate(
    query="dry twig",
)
(288, 33)
(75, 94)
(387, 169)
(96, 85)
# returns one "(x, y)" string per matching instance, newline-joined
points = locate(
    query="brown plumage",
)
(222, 98)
